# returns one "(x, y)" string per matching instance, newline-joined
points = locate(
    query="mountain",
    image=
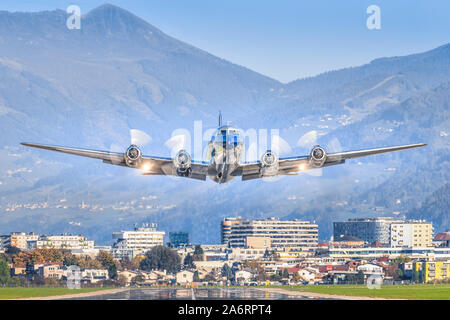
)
(435, 207)
(88, 87)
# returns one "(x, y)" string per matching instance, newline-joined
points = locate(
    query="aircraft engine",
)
(269, 161)
(182, 161)
(133, 156)
(317, 157)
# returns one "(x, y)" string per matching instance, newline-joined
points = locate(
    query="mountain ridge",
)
(88, 90)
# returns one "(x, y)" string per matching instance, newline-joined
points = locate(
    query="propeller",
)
(280, 147)
(334, 146)
(308, 140)
(137, 137)
(176, 143)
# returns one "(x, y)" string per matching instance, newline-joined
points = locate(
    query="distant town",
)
(251, 253)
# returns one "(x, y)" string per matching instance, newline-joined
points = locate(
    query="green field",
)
(20, 293)
(417, 292)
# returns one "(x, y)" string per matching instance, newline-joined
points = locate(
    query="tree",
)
(13, 251)
(399, 274)
(107, 261)
(121, 280)
(161, 258)
(402, 259)
(87, 262)
(198, 253)
(296, 277)
(360, 277)
(70, 259)
(210, 277)
(196, 277)
(50, 255)
(4, 272)
(189, 261)
(227, 272)
(138, 279)
(275, 277)
(285, 273)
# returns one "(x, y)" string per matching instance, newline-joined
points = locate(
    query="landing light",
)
(146, 167)
(301, 167)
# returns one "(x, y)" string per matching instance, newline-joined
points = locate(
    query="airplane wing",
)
(150, 165)
(293, 165)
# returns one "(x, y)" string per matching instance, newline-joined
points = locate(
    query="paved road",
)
(198, 294)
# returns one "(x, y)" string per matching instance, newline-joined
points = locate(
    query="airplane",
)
(225, 152)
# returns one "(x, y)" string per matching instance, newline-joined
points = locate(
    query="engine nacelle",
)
(133, 156)
(317, 157)
(269, 161)
(182, 161)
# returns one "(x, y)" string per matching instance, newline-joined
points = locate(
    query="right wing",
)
(155, 165)
(293, 165)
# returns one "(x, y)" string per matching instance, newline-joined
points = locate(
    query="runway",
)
(200, 294)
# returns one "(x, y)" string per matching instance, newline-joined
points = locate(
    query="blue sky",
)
(287, 39)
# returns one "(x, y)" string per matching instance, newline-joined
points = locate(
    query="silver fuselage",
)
(225, 151)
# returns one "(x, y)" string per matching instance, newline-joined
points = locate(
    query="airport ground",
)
(414, 292)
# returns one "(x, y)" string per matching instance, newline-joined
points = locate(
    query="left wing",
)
(293, 165)
(150, 165)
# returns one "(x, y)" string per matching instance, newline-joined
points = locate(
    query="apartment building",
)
(64, 241)
(274, 234)
(413, 233)
(367, 229)
(225, 227)
(135, 242)
(19, 240)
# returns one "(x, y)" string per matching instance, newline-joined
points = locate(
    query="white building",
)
(243, 276)
(94, 275)
(370, 269)
(19, 240)
(184, 277)
(63, 241)
(308, 274)
(414, 233)
(132, 243)
(273, 234)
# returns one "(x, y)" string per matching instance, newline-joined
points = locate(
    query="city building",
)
(412, 233)
(366, 229)
(273, 234)
(178, 239)
(138, 241)
(431, 271)
(442, 240)
(18, 239)
(225, 227)
(94, 275)
(430, 253)
(184, 277)
(64, 241)
(347, 241)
